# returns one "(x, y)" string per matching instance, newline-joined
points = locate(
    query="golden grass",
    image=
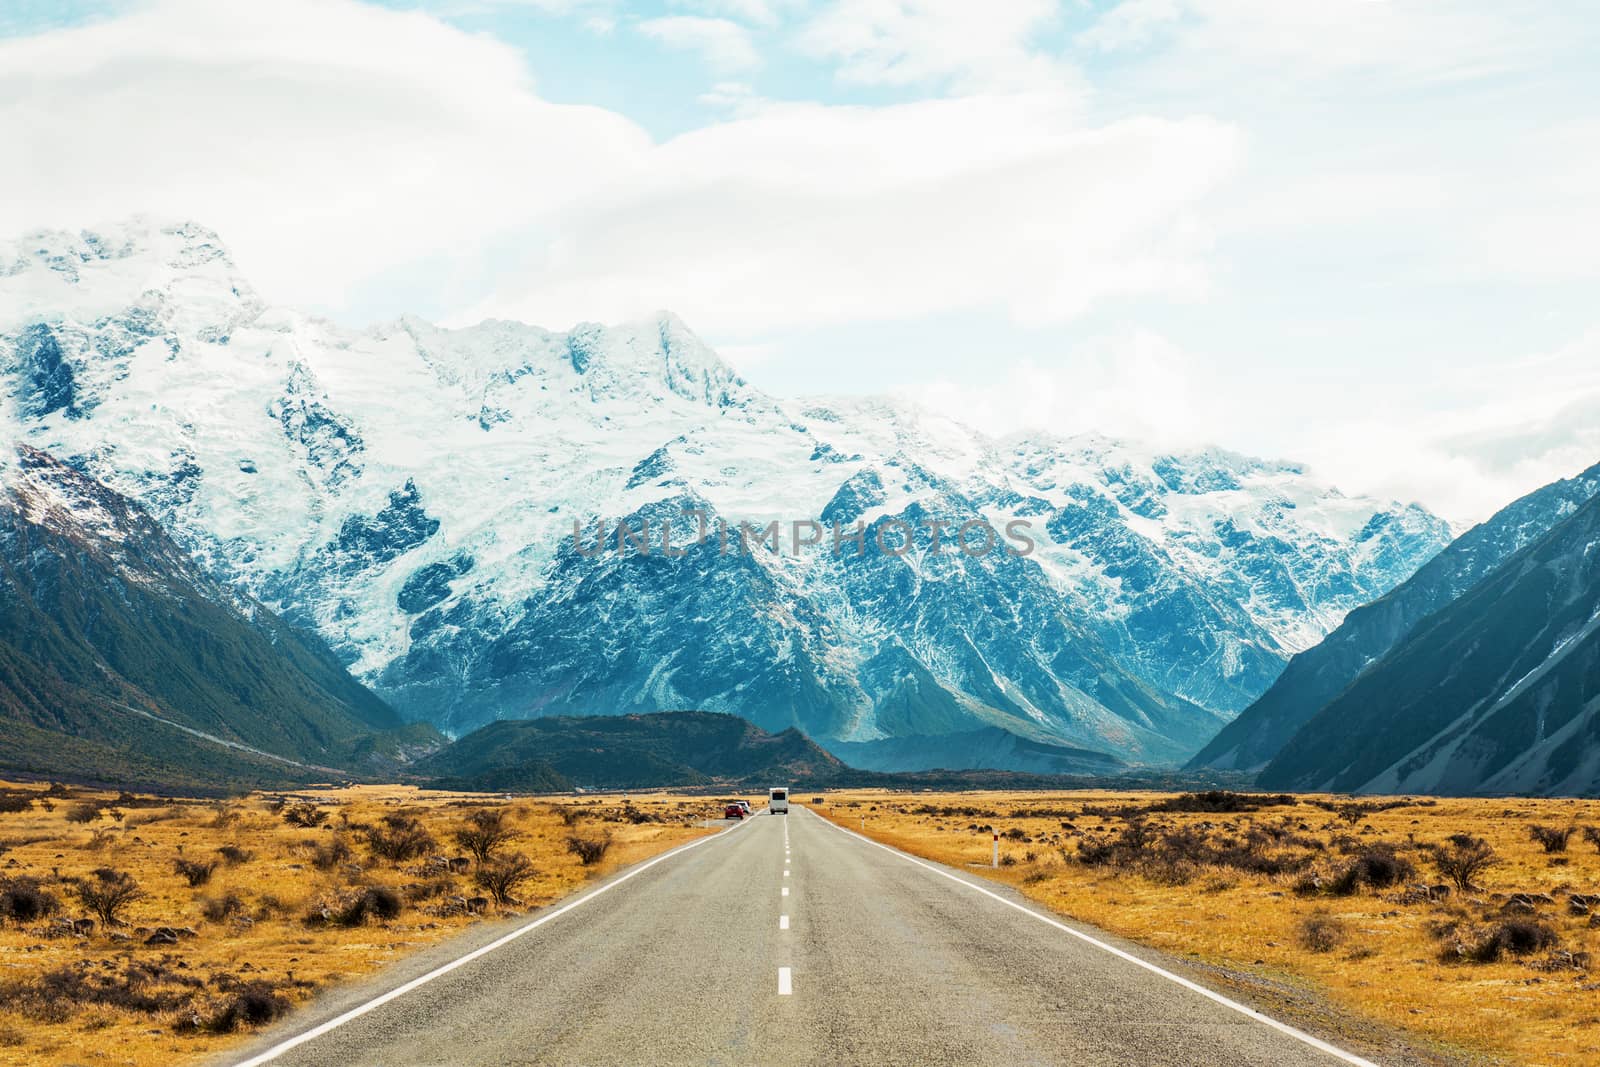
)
(188, 986)
(1386, 964)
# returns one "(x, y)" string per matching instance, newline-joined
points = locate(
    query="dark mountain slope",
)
(105, 623)
(1498, 691)
(1321, 673)
(672, 748)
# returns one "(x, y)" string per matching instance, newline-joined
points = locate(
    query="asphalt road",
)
(783, 941)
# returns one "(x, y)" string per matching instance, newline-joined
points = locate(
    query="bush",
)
(1551, 838)
(23, 901)
(591, 850)
(1377, 868)
(306, 815)
(254, 1005)
(1591, 834)
(373, 902)
(401, 838)
(1519, 937)
(325, 857)
(1463, 859)
(11, 803)
(195, 872)
(485, 833)
(235, 856)
(216, 909)
(501, 877)
(1321, 933)
(107, 893)
(85, 812)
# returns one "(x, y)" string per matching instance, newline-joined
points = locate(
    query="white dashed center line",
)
(785, 983)
(783, 922)
(785, 890)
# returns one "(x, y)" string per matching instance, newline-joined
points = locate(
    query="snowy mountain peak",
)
(177, 266)
(412, 492)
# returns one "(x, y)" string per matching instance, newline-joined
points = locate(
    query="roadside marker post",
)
(994, 861)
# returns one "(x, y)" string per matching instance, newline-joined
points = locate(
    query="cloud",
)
(804, 214)
(972, 46)
(1410, 40)
(1135, 385)
(756, 12)
(725, 44)
(326, 140)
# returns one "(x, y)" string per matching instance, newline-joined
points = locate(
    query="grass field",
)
(1346, 899)
(238, 910)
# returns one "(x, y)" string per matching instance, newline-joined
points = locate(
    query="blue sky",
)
(1357, 233)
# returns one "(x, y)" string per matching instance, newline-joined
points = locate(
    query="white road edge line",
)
(461, 961)
(1267, 1020)
(785, 982)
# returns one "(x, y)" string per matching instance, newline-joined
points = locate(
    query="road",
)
(784, 941)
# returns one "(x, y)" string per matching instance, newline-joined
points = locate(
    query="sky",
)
(1360, 234)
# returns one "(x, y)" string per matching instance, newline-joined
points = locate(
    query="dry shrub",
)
(501, 877)
(107, 893)
(23, 901)
(1552, 839)
(196, 872)
(400, 838)
(234, 856)
(591, 850)
(305, 815)
(373, 902)
(1517, 937)
(254, 1005)
(485, 834)
(1463, 859)
(12, 803)
(217, 909)
(1321, 933)
(325, 856)
(85, 812)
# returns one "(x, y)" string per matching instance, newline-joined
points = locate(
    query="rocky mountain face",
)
(1496, 692)
(120, 657)
(430, 502)
(1319, 674)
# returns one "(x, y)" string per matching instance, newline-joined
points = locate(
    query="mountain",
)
(1497, 692)
(429, 500)
(120, 658)
(1319, 674)
(676, 748)
(974, 750)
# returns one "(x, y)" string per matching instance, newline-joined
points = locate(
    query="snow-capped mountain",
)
(413, 493)
(1496, 692)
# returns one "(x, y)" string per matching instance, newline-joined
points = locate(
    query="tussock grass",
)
(161, 936)
(1466, 922)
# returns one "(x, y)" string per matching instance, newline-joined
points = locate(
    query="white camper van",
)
(778, 801)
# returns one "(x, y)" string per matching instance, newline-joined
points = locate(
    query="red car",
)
(733, 811)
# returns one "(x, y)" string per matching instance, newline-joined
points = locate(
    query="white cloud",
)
(1136, 385)
(1307, 39)
(724, 44)
(756, 12)
(328, 141)
(974, 46)
(806, 214)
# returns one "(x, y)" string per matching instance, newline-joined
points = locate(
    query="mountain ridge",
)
(1317, 676)
(421, 519)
